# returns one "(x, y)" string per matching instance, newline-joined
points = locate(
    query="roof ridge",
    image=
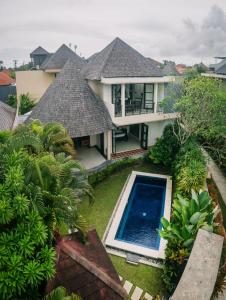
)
(114, 43)
(93, 269)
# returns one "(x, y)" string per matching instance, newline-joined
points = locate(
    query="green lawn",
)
(106, 195)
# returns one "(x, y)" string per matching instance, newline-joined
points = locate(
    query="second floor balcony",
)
(133, 99)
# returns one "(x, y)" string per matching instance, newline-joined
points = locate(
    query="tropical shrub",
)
(25, 100)
(166, 147)
(189, 215)
(100, 175)
(189, 168)
(60, 293)
(26, 259)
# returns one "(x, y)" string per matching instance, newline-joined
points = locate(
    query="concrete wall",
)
(199, 277)
(33, 82)
(155, 130)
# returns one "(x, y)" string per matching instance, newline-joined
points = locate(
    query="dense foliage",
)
(39, 194)
(60, 293)
(189, 168)
(166, 147)
(26, 103)
(26, 257)
(189, 215)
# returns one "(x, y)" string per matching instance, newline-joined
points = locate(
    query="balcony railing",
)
(136, 109)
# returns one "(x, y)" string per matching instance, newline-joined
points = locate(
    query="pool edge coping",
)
(109, 234)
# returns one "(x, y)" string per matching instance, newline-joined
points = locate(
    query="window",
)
(116, 93)
(149, 95)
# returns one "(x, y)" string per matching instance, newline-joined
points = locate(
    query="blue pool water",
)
(143, 212)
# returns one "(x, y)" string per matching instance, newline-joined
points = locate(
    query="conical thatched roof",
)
(70, 101)
(119, 59)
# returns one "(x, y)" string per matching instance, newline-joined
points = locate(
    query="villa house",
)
(217, 70)
(110, 104)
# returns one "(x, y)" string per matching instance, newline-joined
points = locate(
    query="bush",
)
(166, 148)
(190, 168)
(189, 215)
(99, 176)
(26, 103)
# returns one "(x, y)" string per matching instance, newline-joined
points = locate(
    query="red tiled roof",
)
(86, 269)
(5, 79)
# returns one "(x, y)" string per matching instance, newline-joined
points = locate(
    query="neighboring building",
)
(181, 68)
(38, 56)
(7, 86)
(35, 82)
(169, 69)
(86, 269)
(217, 70)
(7, 116)
(110, 103)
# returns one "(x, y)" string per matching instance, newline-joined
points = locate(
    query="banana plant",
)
(188, 217)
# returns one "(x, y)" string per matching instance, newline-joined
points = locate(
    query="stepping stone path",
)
(137, 294)
(128, 286)
(134, 292)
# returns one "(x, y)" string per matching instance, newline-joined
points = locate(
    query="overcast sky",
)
(186, 31)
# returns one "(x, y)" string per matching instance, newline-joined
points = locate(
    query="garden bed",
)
(106, 195)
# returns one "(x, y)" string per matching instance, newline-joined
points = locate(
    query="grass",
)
(106, 195)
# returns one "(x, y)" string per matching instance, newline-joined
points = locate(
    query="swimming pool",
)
(136, 219)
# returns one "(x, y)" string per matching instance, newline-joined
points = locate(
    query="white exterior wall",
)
(93, 140)
(155, 130)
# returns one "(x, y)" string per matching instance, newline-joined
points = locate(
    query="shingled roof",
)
(86, 269)
(69, 100)
(170, 70)
(119, 59)
(60, 57)
(39, 51)
(7, 116)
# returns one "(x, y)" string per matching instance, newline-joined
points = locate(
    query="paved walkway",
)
(217, 175)
(134, 292)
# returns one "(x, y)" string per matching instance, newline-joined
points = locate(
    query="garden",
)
(41, 194)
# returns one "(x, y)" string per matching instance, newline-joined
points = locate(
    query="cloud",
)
(202, 40)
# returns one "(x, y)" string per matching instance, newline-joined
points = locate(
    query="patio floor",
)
(132, 144)
(89, 157)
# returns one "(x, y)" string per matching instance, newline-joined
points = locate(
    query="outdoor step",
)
(147, 297)
(136, 294)
(128, 286)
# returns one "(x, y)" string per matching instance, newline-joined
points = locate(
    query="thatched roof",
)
(119, 59)
(58, 59)
(70, 101)
(7, 116)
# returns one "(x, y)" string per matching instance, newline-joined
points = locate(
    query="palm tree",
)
(54, 137)
(50, 183)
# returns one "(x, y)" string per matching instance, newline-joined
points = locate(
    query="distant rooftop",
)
(39, 51)
(170, 70)
(60, 57)
(5, 79)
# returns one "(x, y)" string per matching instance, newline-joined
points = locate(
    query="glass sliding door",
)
(139, 99)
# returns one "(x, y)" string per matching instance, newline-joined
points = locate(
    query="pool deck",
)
(122, 248)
